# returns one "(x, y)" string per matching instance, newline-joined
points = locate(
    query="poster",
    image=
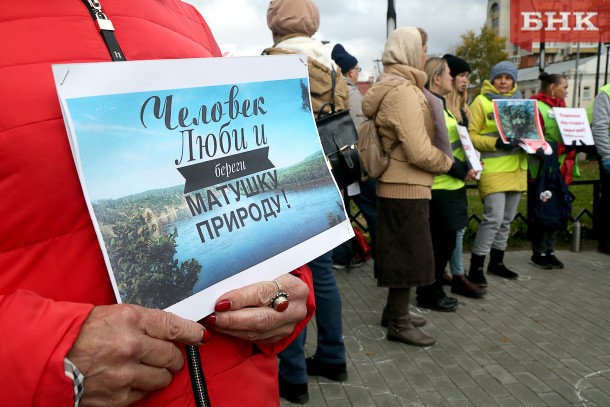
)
(473, 156)
(519, 119)
(201, 175)
(573, 125)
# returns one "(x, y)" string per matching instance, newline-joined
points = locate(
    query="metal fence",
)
(356, 218)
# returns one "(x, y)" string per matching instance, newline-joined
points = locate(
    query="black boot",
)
(433, 297)
(475, 274)
(496, 265)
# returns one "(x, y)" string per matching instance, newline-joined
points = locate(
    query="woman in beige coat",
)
(405, 122)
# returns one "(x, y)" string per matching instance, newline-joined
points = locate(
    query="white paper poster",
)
(201, 175)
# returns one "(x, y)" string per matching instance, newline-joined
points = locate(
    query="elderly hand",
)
(245, 313)
(125, 351)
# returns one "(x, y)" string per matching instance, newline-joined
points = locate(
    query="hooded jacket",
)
(403, 114)
(320, 67)
(52, 271)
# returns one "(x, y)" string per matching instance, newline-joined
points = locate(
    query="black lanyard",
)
(106, 29)
(200, 389)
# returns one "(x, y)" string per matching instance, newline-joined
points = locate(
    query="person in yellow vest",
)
(504, 175)
(601, 136)
(553, 91)
(457, 105)
(448, 206)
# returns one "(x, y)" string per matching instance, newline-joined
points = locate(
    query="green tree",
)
(481, 52)
(144, 266)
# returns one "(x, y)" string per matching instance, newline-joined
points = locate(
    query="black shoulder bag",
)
(339, 138)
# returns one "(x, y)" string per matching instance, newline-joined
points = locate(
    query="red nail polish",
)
(223, 305)
(205, 337)
(210, 320)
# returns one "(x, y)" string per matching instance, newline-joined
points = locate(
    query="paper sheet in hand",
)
(519, 119)
(573, 125)
(201, 175)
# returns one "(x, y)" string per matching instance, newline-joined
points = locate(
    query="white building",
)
(581, 86)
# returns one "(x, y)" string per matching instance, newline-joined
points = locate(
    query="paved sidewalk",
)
(543, 340)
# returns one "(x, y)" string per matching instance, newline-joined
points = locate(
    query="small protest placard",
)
(473, 156)
(573, 125)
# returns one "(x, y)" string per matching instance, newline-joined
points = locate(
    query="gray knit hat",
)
(504, 67)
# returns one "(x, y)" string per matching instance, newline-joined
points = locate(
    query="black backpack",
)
(553, 204)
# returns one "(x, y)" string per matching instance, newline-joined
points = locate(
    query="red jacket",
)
(51, 268)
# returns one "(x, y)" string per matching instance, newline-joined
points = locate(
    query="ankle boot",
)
(433, 297)
(496, 265)
(400, 327)
(461, 285)
(475, 274)
(415, 320)
(410, 335)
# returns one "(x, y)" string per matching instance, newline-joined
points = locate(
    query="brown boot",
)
(410, 335)
(400, 326)
(461, 285)
(415, 320)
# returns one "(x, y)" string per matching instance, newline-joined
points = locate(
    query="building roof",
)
(563, 67)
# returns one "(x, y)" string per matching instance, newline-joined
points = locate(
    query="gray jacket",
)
(601, 124)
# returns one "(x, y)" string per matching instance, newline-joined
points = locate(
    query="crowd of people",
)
(54, 283)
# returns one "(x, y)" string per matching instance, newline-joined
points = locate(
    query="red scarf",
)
(570, 156)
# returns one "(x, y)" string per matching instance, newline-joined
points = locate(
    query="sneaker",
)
(354, 262)
(553, 261)
(332, 371)
(294, 393)
(541, 261)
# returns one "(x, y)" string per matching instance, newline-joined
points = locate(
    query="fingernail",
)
(205, 336)
(210, 320)
(223, 305)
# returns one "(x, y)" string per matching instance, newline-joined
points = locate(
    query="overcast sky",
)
(360, 25)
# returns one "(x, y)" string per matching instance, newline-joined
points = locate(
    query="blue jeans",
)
(456, 265)
(330, 347)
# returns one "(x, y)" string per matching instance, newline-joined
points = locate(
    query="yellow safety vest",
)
(500, 160)
(551, 128)
(445, 181)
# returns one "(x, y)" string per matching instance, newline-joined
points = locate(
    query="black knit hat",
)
(456, 65)
(343, 58)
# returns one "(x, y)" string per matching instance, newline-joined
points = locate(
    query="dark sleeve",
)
(458, 170)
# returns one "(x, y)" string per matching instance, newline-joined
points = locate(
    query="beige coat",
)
(403, 113)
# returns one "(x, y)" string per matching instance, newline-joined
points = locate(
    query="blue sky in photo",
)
(121, 157)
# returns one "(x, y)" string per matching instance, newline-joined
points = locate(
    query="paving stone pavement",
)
(542, 340)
